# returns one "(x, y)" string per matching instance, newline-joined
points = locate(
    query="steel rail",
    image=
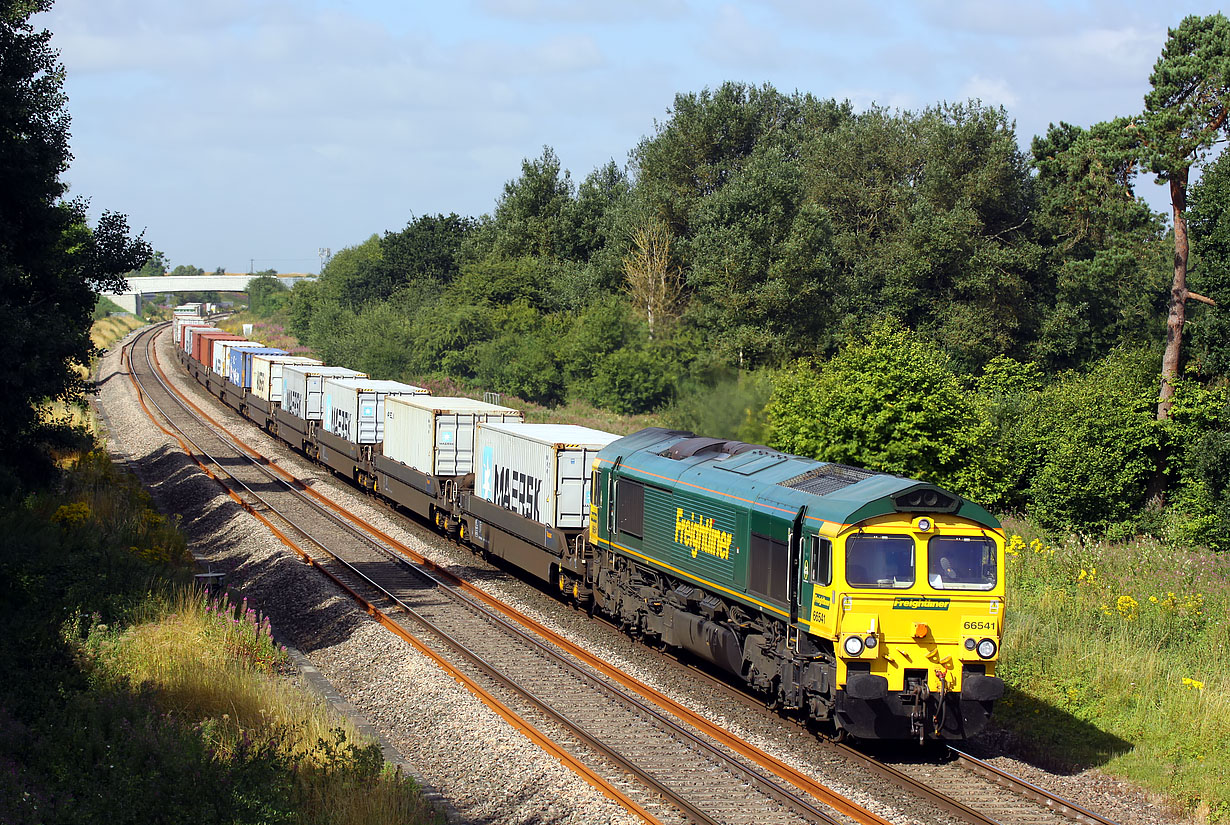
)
(437, 577)
(532, 732)
(784, 771)
(1029, 790)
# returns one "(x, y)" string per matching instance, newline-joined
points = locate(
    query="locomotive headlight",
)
(871, 641)
(970, 644)
(853, 645)
(986, 648)
(923, 524)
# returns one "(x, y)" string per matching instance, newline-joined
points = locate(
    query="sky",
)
(252, 134)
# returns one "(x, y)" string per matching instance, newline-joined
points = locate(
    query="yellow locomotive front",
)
(916, 616)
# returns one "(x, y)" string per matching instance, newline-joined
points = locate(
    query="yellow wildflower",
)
(1193, 684)
(1126, 606)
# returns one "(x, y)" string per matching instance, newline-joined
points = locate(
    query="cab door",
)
(815, 577)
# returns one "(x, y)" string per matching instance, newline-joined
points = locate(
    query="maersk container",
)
(435, 435)
(303, 390)
(267, 374)
(222, 354)
(353, 408)
(239, 371)
(540, 471)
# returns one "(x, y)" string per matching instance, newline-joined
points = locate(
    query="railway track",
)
(629, 733)
(614, 732)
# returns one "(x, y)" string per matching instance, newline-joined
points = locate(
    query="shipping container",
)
(188, 309)
(302, 388)
(190, 336)
(267, 374)
(203, 346)
(539, 471)
(222, 354)
(239, 370)
(354, 408)
(182, 333)
(435, 435)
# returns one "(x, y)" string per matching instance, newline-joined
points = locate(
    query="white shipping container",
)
(435, 435)
(302, 388)
(267, 374)
(192, 332)
(222, 354)
(353, 408)
(540, 471)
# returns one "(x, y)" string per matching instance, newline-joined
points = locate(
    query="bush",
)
(1089, 445)
(631, 381)
(889, 402)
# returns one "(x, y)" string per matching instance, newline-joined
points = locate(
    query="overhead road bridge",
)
(141, 287)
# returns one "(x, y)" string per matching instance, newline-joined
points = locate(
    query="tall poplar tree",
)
(1185, 114)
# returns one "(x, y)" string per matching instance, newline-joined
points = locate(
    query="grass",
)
(106, 331)
(1115, 655)
(214, 663)
(130, 698)
(269, 331)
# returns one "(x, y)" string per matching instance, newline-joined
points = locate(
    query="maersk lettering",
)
(517, 491)
(340, 425)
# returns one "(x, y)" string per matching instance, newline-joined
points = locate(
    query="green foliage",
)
(1086, 447)
(888, 402)
(1185, 110)
(931, 218)
(732, 406)
(1209, 222)
(267, 295)
(528, 215)
(1108, 261)
(51, 261)
(631, 380)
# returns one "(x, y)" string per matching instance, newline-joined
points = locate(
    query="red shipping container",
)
(203, 345)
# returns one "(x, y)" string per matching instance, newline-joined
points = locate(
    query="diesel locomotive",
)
(868, 604)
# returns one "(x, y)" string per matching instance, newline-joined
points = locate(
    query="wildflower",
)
(1193, 684)
(1153, 599)
(1126, 606)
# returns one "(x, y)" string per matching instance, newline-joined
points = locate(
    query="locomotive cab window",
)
(821, 561)
(961, 563)
(882, 562)
(630, 508)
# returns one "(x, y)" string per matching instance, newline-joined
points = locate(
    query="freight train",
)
(867, 604)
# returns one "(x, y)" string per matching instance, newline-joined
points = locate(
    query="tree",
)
(51, 261)
(155, 266)
(1105, 280)
(528, 216)
(1184, 115)
(1209, 222)
(653, 284)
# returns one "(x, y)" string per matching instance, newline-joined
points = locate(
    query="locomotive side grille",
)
(827, 479)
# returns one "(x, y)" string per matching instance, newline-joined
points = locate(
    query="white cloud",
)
(994, 91)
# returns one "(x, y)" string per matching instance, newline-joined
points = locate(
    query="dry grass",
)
(215, 662)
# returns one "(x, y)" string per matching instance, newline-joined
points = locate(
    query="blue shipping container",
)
(240, 368)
